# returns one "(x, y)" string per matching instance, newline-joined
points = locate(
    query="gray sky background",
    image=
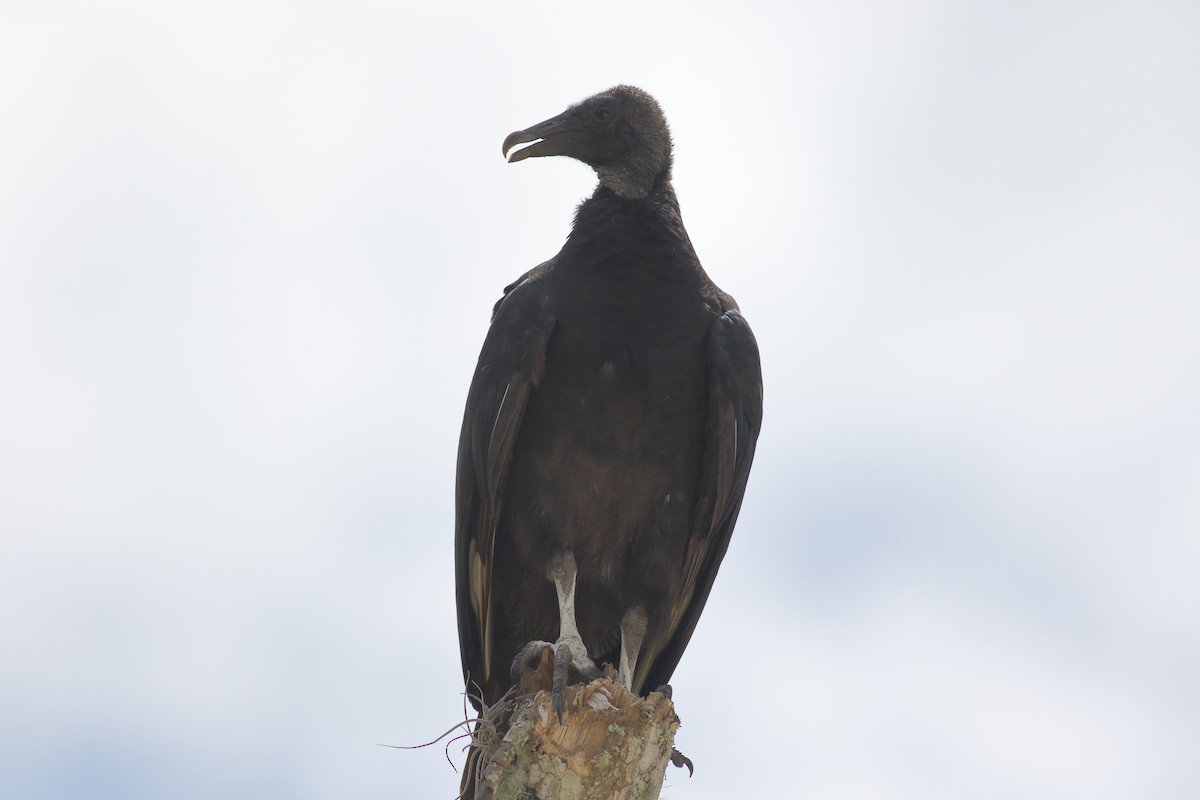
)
(247, 255)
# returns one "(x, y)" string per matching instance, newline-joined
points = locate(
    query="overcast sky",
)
(247, 256)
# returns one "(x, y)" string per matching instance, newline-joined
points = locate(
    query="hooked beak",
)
(544, 134)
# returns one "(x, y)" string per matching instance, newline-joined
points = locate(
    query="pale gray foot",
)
(569, 651)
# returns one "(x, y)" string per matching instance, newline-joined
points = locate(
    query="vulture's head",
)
(620, 133)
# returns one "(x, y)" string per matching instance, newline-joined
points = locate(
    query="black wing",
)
(734, 418)
(510, 365)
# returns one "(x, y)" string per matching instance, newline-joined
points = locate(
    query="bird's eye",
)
(603, 112)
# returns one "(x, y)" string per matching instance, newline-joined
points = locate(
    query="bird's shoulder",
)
(521, 324)
(527, 290)
(720, 301)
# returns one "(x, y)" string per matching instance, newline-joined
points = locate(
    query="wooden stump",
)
(610, 745)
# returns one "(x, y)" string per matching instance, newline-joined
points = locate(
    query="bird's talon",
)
(559, 701)
(680, 760)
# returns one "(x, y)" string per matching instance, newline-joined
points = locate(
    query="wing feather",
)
(734, 419)
(510, 365)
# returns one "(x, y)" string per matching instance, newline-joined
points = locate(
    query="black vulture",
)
(609, 427)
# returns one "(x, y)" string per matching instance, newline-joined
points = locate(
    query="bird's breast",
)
(610, 447)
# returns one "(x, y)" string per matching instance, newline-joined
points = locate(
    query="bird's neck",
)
(659, 194)
(634, 178)
(628, 186)
(657, 206)
(607, 223)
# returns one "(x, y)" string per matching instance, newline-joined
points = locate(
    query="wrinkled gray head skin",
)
(621, 133)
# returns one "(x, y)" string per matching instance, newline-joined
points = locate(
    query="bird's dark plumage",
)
(612, 417)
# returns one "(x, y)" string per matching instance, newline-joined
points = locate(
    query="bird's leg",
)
(633, 630)
(569, 650)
